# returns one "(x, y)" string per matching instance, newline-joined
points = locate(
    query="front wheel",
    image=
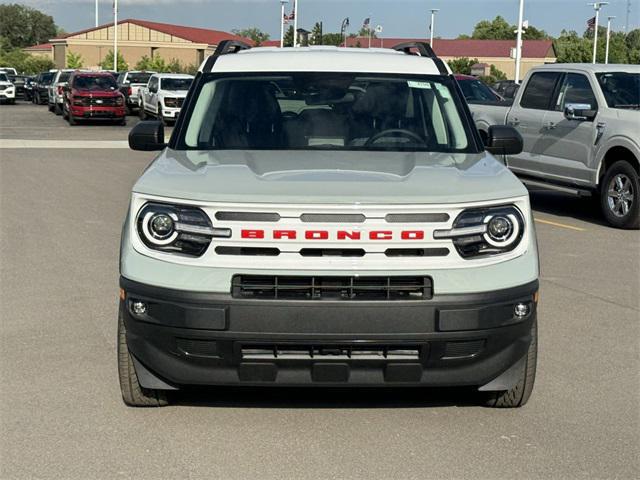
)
(519, 395)
(133, 394)
(142, 113)
(56, 109)
(619, 196)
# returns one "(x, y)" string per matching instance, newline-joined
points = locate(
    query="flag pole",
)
(519, 41)
(115, 35)
(295, 23)
(596, 6)
(282, 3)
(432, 26)
(97, 22)
(606, 50)
(370, 23)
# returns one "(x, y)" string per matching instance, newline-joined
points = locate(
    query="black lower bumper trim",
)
(194, 338)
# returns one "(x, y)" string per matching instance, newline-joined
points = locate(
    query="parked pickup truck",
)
(164, 95)
(130, 84)
(581, 129)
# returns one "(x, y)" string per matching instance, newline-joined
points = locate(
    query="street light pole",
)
(596, 6)
(282, 5)
(115, 35)
(432, 27)
(606, 50)
(97, 13)
(519, 41)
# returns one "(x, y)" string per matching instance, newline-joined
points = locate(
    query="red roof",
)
(42, 46)
(270, 43)
(195, 35)
(469, 48)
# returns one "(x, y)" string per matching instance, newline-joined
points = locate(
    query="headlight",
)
(175, 229)
(485, 231)
(120, 101)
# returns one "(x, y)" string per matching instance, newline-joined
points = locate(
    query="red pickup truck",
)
(93, 96)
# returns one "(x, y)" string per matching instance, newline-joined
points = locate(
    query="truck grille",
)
(276, 287)
(368, 352)
(103, 101)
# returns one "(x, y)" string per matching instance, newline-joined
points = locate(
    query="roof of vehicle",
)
(590, 67)
(138, 71)
(325, 59)
(88, 73)
(172, 75)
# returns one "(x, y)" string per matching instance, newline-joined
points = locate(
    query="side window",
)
(539, 91)
(576, 89)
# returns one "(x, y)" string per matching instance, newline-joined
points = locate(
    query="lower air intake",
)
(275, 287)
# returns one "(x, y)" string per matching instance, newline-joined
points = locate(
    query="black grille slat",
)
(263, 287)
(247, 217)
(332, 218)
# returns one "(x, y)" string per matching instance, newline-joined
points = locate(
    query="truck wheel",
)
(132, 393)
(56, 109)
(142, 114)
(519, 395)
(619, 196)
(161, 117)
(50, 106)
(72, 120)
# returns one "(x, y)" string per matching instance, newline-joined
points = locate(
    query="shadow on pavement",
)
(329, 398)
(586, 209)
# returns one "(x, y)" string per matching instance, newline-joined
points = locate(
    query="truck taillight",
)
(129, 91)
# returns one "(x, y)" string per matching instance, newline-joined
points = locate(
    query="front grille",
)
(331, 352)
(103, 101)
(275, 287)
(197, 348)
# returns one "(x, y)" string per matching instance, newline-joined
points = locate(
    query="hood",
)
(328, 177)
(86, 92)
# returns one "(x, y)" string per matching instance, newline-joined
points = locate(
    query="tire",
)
(56, 109)
(132, 393)
(620, 196)
(72, 120)
(142, 114)
(122, 122)
(51, 107)
(65, 112)
(519, 395)
(160, 117)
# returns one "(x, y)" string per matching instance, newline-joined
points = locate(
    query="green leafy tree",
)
(462, 65)
(317, 34)
(500, 29)
(255, 34)
(74, 60)
(332, 39)
(23, 26)
(364, 32)
(22, 61)
(107, 62)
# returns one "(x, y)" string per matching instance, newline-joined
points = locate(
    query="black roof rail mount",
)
(225, 47)
(424, 50)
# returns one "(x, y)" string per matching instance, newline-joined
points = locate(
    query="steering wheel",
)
(394, 132)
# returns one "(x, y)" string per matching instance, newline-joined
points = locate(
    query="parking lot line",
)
(560, 225)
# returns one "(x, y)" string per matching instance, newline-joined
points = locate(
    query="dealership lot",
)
(63, 195)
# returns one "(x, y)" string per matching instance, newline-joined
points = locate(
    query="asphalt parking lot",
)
(63, 195)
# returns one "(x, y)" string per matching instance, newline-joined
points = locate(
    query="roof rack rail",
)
(424, 50)
(225, 47)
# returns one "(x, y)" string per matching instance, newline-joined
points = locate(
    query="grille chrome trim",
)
(373, 352)
(333, 218)
(417, 217)
(247, 216)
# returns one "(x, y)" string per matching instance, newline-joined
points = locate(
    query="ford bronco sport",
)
(327, 217)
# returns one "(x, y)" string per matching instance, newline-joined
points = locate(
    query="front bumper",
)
(8, 94)
(98, 112)
(195, 338)
(170, 113)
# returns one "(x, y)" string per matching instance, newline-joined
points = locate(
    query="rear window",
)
(539, 91)
(175, 83)
(64, 76)
(476, 91)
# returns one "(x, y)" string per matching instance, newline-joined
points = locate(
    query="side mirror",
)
(503, 140)
(579, 111)
(147, 136)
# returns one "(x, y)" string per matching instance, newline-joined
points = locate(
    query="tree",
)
(500, 29)
(364, 32)
(571, 48)
(332, 39)
(74, 60)
(22, 61)
(462, 65)
(288, 37)
(107, 62)
(316, 34)
(24, 26)
(254, 33)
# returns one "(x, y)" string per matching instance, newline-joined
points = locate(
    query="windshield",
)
(476, 91)
(139, 77)
(64, 77)
(3, 77)
(175, 83)
(620, 89)
(336, 111)
(98, 82)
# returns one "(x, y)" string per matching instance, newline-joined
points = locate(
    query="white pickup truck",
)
(581, 129)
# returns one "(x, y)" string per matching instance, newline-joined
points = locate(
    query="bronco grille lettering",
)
(342, 235)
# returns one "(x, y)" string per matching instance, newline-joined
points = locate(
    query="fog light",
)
(521, 310)
(139, 308)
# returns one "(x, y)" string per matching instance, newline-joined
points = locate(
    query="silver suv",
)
(581, 129)
(327, 217)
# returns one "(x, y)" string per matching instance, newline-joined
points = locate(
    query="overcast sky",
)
(398, 17)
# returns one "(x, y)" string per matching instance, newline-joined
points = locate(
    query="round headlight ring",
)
(157, 237)
(502, 230)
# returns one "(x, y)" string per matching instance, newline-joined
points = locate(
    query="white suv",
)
(164, 95)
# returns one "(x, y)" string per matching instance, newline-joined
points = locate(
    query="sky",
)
(399, 18)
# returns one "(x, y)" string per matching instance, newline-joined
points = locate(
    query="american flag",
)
(292, 16)
(591, 23)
